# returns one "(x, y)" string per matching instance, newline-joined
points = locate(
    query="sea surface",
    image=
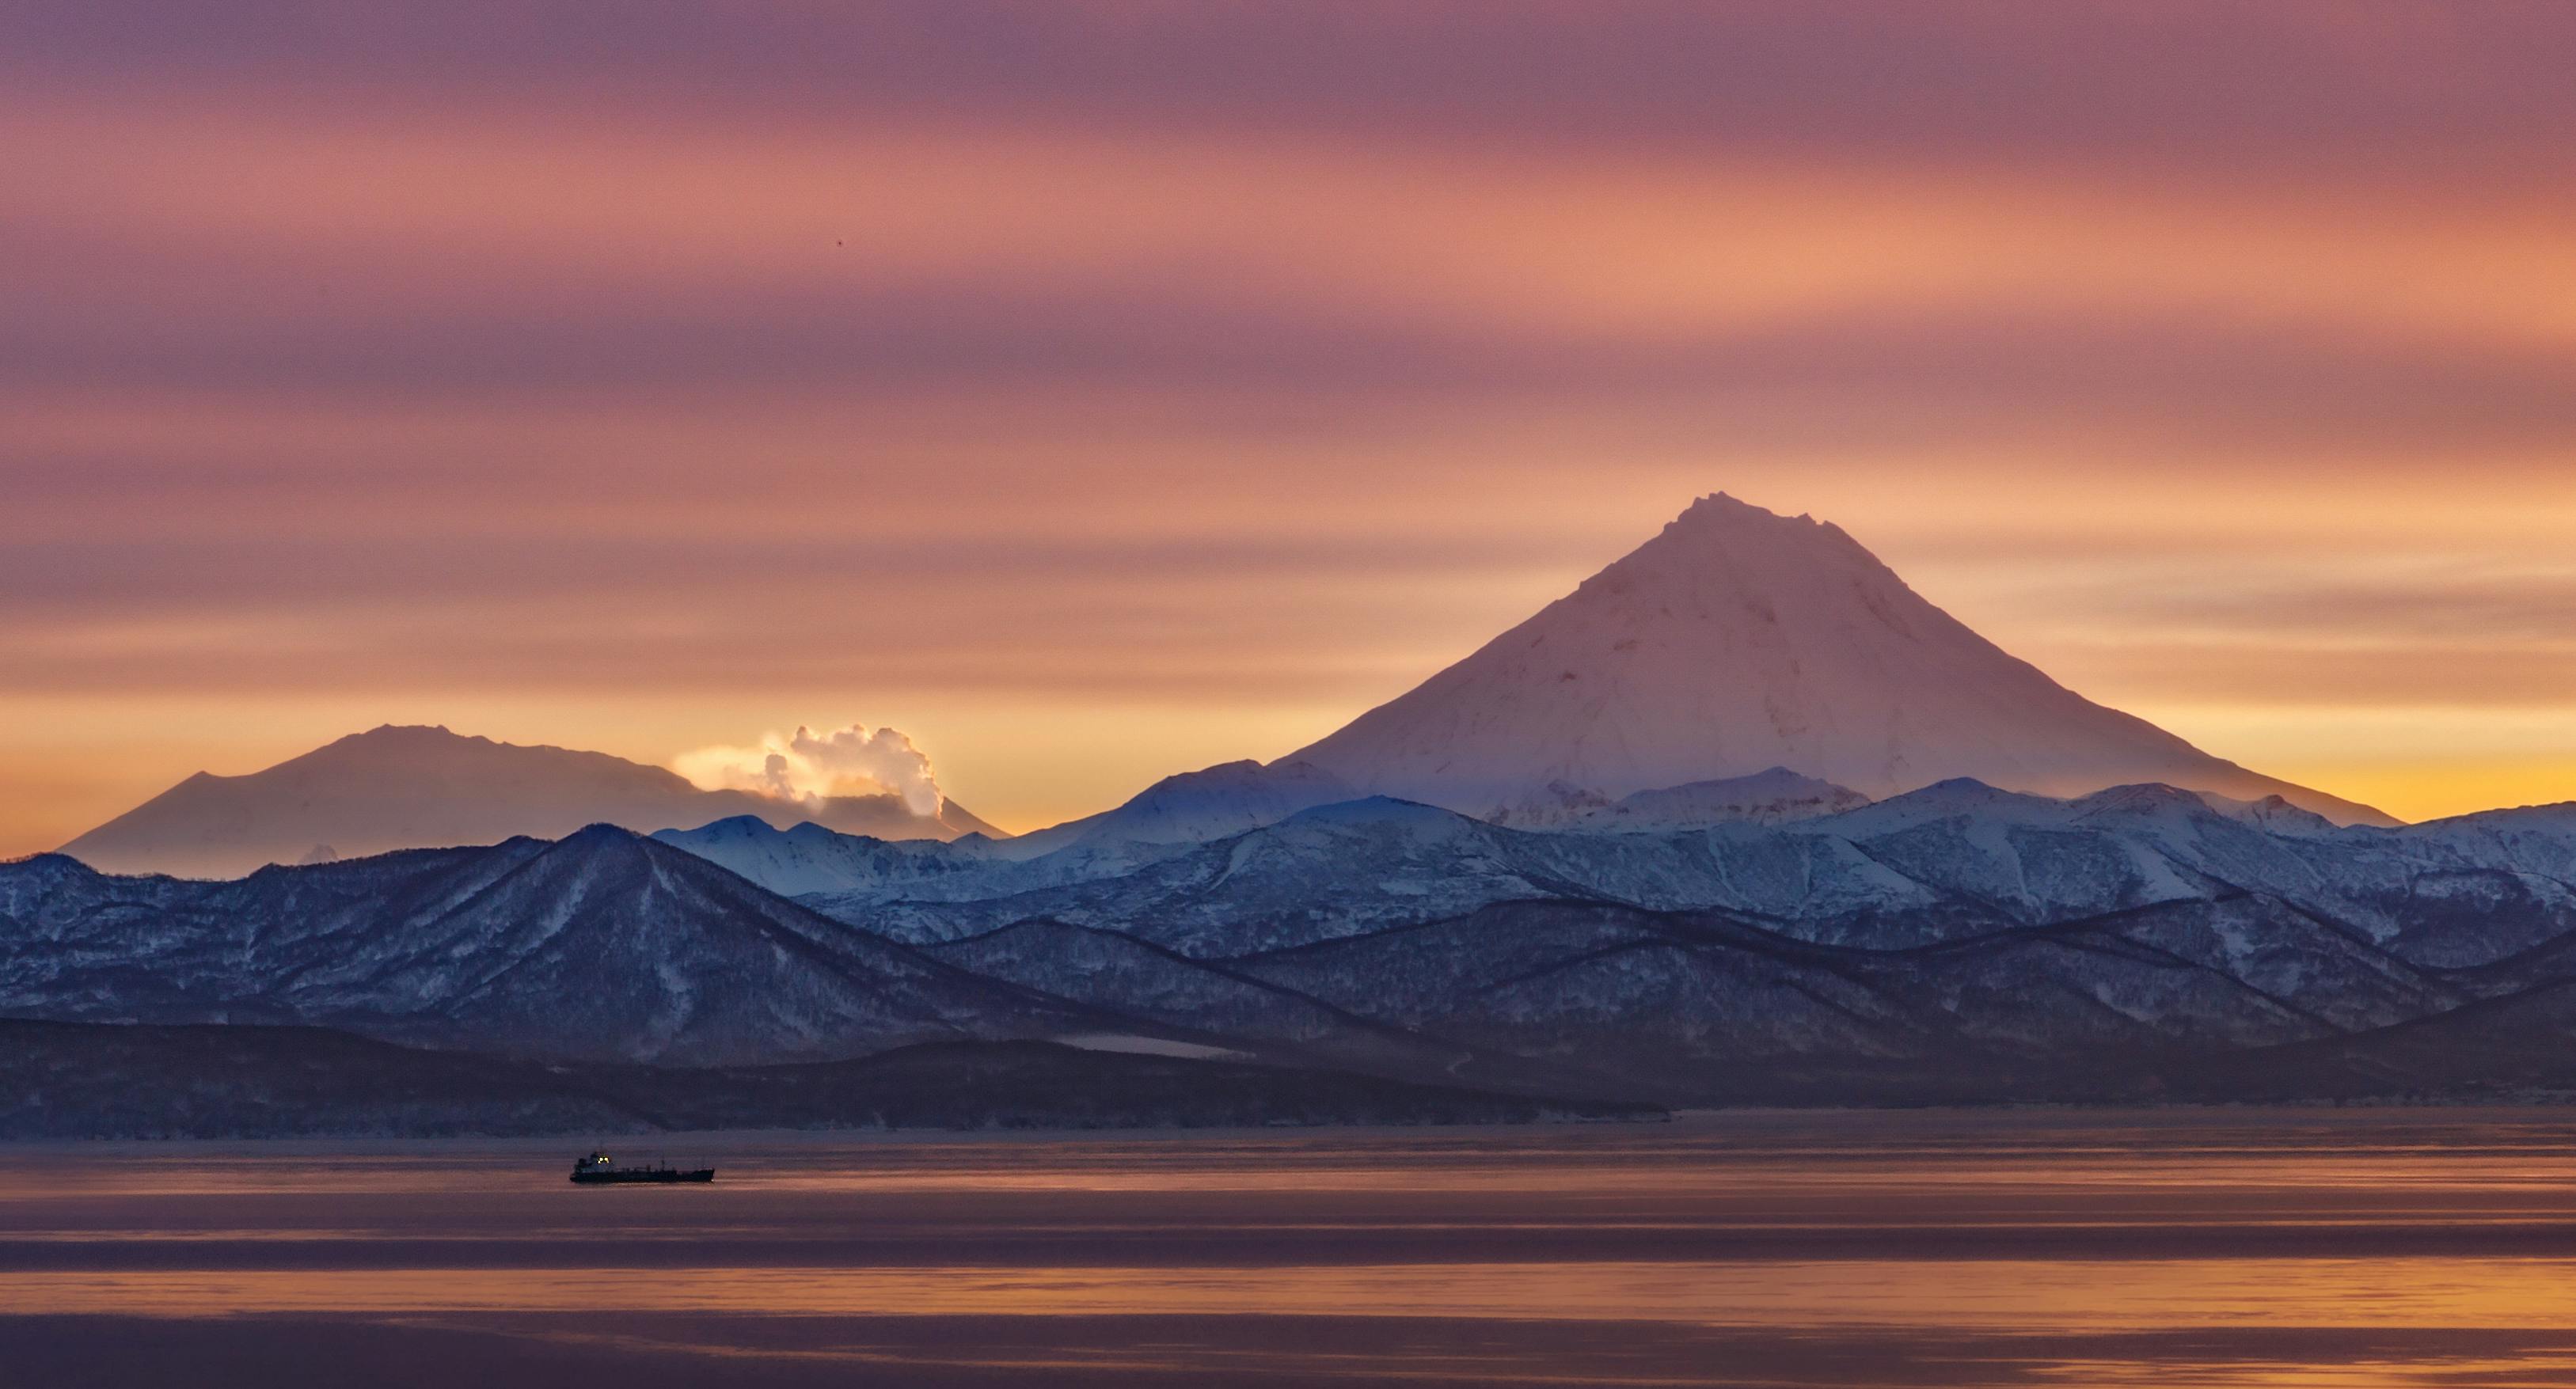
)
(2255, 1247)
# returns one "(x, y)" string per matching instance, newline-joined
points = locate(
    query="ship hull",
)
(641, 1178)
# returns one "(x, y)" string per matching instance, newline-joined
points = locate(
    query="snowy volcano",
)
(411, 787)
(1739, 640)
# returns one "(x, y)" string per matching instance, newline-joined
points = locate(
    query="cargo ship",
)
(599, 1169)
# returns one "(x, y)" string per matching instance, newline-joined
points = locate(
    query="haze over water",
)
(2304, 1248)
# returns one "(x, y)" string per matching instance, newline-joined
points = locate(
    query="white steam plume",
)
(852, 761)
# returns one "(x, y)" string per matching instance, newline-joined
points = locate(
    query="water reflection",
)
(1987, 1295)
(2326, 1249)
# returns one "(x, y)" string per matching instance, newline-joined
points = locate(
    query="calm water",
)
(2304, 1248)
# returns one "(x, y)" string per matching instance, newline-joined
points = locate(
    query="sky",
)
(1097, 391)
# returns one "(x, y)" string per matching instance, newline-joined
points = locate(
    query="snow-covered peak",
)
(731, 829)
(1719, 518)
(1193, 808)
(1738, 640)
(2557, 814)
(598, 838)
(1224, 800)
(1376, 815)
(2551, 826)
(2151, 799)
(1959, 798)
(807, 857)
(414, 786)
(2172, 805)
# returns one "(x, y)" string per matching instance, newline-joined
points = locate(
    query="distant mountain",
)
(1191, 808)
(1337, 869)
(414, 787)
(1941, 864)
(1957, 942)
(1170, 817)
(599, 946)
(1176, 816)
(808, 858)
(1713, 1007)
(1738, 640)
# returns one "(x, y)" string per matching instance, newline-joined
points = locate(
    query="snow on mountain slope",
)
(806, 857)
(2539, 840)
(411, 787)
(1189, 808)
(1170, 817)
(1943, 864)
(1954, 934)
(1333, 868)
(1697, 1007)
(1772, 797)
(1739, 640)
(599, 946)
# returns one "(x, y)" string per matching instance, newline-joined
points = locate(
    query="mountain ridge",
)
(1737, 640)
(410, 786)
(1957, 942)
(599, 945)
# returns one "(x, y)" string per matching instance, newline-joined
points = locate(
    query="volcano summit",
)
(1737, 641)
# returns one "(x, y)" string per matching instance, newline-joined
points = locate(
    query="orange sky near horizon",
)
(1099, 391)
